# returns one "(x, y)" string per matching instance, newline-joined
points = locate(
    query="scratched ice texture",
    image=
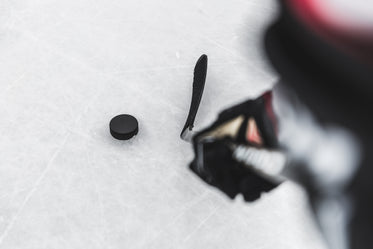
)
(67, 67)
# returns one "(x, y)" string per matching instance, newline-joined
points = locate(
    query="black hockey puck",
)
(124, 127)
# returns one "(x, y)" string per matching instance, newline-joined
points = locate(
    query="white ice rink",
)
(68, 66)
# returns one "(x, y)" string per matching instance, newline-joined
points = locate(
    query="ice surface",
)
(67, 67)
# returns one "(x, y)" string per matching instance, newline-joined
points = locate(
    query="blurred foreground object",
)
(328, 63)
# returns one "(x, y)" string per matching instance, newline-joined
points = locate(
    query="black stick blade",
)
(199, 79)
